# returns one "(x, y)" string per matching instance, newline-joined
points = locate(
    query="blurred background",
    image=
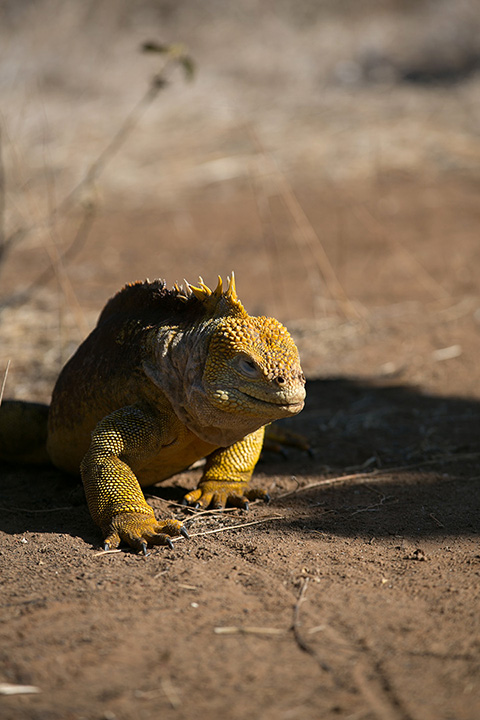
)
(328, 152)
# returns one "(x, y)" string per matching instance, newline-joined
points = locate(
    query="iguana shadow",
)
(413, 459)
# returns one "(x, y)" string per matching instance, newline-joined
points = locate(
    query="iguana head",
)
(252, 365)
(224, 372)
(253, 368)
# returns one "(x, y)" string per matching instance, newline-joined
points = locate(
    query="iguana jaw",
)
(251, 403)
(253, 369)
(281, 404)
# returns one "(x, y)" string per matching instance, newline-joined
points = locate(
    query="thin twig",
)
(37, 512)
(53, 269)
(296, 618)
(112, 148)
(207, 532)
(380, 472)
(272, 249)
(4, 381)
(436, 520)
(247, 630)
(234, 527)
(373, 684)
(307, 232)
(10, 689)
(157, 83)
(424, 277)
(170, 692)
(3, 244)
(304, 646)
(200, 514)
(197, 514)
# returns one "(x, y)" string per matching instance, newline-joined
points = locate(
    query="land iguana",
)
(167, 377)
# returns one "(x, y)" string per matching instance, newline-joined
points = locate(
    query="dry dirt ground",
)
(348, 206)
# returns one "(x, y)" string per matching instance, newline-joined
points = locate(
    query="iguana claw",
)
(140, 530)
(218, 494)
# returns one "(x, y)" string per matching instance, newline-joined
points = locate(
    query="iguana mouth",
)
(280, 403)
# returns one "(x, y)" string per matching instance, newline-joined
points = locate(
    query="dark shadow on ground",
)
(415, 458)
(44, 500)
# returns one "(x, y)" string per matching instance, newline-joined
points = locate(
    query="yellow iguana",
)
(166, 378)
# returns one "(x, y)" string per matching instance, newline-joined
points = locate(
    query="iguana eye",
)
(247, 367)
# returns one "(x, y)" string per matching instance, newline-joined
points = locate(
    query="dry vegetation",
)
(329, 153)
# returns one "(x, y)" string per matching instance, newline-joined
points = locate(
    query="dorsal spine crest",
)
(218, 302)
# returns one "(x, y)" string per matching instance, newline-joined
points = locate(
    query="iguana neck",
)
(174, 363)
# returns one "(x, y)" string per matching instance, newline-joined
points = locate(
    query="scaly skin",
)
(166, 378)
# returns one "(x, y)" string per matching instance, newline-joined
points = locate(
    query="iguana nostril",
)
(280, 380)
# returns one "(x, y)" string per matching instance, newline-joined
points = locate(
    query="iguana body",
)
(168, 377)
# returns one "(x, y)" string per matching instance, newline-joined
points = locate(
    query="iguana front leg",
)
(122, 440)
(227, 475)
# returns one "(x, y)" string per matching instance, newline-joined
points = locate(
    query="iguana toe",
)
(218, 494)
(258, 494)
(140, 530)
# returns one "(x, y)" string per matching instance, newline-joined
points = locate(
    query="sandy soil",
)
(353, 216)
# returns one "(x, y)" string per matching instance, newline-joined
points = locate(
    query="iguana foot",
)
(217, 494)
(140, 530)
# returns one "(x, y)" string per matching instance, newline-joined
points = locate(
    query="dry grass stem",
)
(296, 625)
(376, 475)
(112, 148)
(416, 268)
(296, 617)
(437, 522)
(131, 121)
(35, 512)
(306, 232)
(376, 690)
(3, 243)
(10, 689)
(234, 527)
(170, 692)
(4, 381)
(197, 514)
(57, 269)
(104, 553)
(200, 514)
(248, 630)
